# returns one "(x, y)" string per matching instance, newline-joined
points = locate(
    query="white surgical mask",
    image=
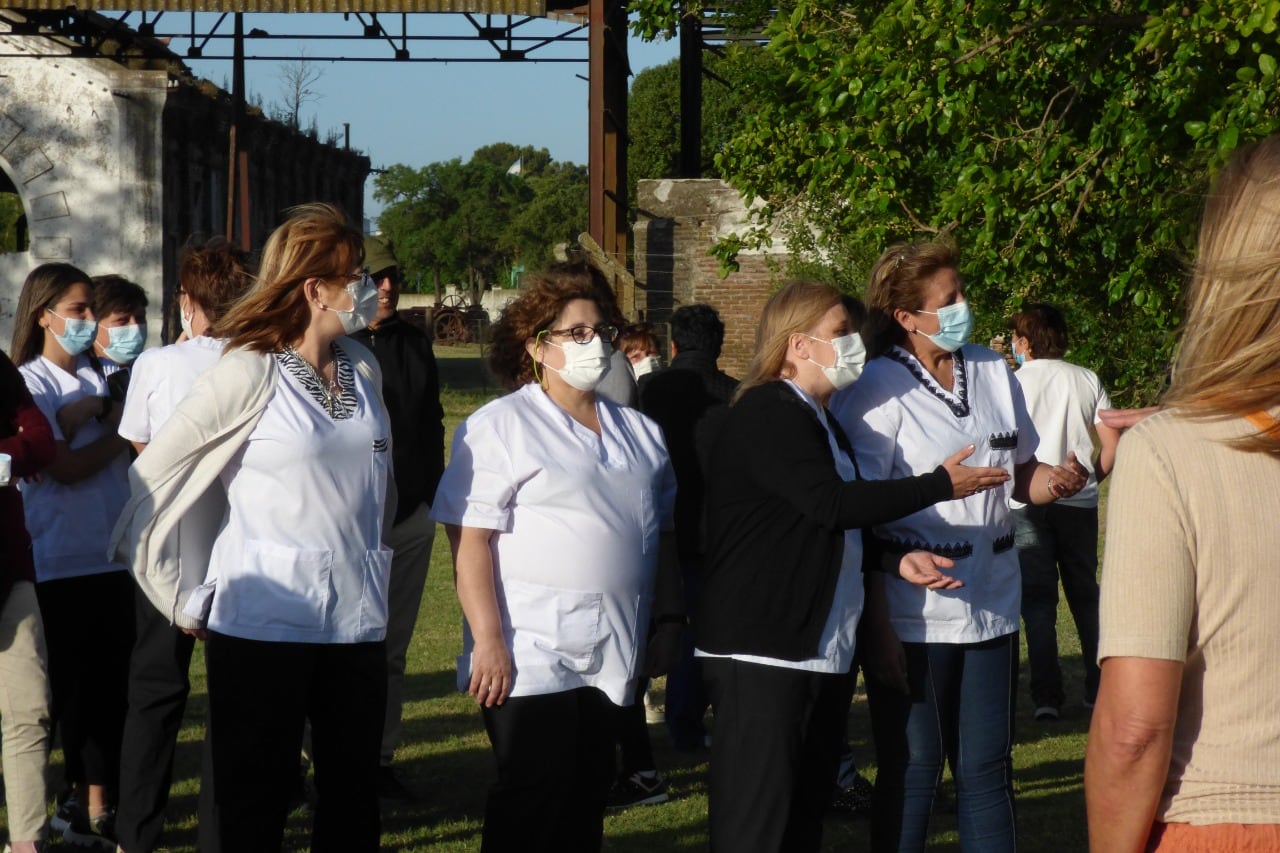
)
(186, 320)
(645, 366)
(364, 305)
(851, 355)
(584, 364)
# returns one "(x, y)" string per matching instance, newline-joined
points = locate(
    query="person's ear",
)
(906, 319)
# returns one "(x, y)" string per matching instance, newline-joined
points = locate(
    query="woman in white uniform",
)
(291, 424)
(948, 693)
(86, 600)
(210, 279)
(553, 501)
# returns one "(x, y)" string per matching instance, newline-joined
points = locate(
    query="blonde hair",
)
(897, 281)
(1228, 360)
(316, 241)
(797, 307)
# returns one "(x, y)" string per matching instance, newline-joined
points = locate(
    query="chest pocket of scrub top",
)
(550, 623)
(276, 586)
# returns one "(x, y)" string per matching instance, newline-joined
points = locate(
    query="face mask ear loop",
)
(537, 341)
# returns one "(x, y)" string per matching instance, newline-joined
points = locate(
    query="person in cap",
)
(411, 387)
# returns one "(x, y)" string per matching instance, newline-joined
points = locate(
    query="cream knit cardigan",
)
(173, 488)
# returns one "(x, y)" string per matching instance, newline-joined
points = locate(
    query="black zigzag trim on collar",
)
(961, 408)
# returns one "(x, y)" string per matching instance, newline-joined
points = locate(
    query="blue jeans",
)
(1058, 541)
(960, 709)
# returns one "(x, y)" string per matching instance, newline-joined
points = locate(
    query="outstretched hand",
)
(968, 480)
(924, 569)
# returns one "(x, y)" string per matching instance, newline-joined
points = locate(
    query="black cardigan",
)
(776, 515)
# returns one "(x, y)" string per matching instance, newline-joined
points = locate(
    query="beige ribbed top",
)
(1192, 573)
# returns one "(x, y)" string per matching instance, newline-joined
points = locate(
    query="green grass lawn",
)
(446, 755)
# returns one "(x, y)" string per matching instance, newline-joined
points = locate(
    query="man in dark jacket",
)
(411, 388)
(685, 399)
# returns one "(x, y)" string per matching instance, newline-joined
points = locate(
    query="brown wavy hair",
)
(533, 311)
(797, 307)
(214, 275)
(315, 241)
(42, 289)
(1228, 361)
(897, 281)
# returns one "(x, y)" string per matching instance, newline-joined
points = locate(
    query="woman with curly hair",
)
(553, 501)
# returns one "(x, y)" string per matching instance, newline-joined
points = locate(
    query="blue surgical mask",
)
(955, 324)
(1020, 358)
(125, 342)
(78, 334)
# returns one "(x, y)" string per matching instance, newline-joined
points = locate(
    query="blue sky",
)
(420, 113)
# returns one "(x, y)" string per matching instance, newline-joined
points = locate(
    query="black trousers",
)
(158, 688)
(555, 765)
(88, 628)
(632, 733)
(773, 755)
(260, 694)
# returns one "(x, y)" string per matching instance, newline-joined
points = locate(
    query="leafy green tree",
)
(730, 94)
(1064, 146)
(469, 223)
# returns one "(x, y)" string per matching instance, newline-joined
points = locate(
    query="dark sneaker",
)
(1047, 712)
(98, 831)
(638, 789)
(853, 800)
(68, 806)
(391, 789)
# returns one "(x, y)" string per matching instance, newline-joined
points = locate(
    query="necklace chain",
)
(330, 389)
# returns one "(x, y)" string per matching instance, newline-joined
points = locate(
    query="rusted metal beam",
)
(607, 126)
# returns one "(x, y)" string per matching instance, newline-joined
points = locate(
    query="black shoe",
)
(391, 789)
(1045, 713)
(98, 831)
(638, 789)
(854, 800)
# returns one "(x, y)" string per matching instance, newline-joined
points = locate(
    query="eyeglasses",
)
(584, 334)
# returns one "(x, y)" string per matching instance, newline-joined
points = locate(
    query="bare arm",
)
(1130, 744)
(473, 576)
(1108, 439)
(72, 466)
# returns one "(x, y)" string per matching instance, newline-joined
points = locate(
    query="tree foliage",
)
(469, 223)
(1064, 146)
(730, 92)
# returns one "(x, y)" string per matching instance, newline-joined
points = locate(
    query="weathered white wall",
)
(81, 140)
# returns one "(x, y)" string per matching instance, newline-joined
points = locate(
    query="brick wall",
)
(677, 224)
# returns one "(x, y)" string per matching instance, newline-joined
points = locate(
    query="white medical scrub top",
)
(901, 424)
(576, 518)
(300, 558)
(158, 381)
(70, 523)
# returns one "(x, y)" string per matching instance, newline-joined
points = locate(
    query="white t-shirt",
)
(1063, 400)
(158, 381)
(902, 423)
(70, 524)
(300, 559)
(839, 633)
(576, 518)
